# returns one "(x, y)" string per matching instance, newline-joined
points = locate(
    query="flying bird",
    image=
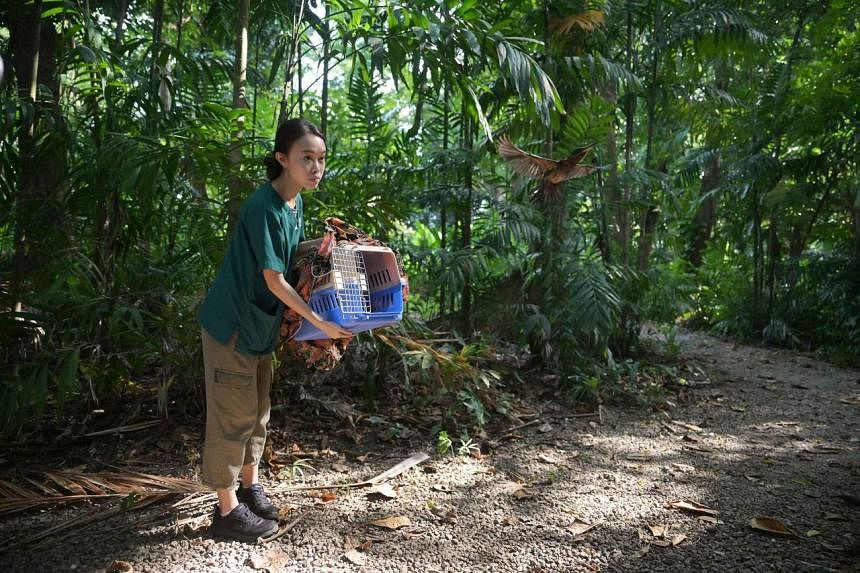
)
(551, 172)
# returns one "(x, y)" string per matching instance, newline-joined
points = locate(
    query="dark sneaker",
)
(257, 501)
(242, 524)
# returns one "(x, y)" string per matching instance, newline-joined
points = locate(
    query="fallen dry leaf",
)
(545, 428)
(703, 449)
(770, 525)
(547, 459)
(411, 534)
(852, 400)
(339, 467)
(683, 467)
(511, 520)
(278, 559)
(120, 567)
(676, 539)
(328, 496)
(707, 519)
(382, 490)
(578, 527)
(349, 543)
(447, 516)
(661, 542)
(691, 427)
(258, 562)
(392, 522)
(659, 530)
(523, 493)
(822, 450)
(753, 478)
(355, 557)
(693, 507)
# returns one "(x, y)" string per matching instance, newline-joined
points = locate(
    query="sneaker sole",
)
(243, 538)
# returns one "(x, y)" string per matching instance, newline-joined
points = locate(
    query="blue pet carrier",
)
(362, 291)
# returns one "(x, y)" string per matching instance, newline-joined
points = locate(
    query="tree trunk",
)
(757, 259)
(468, 128)
(652, 214)
(292, 55)
(326, 55)
(119, 30)
(702, 227)
(41, 156)
(855, 217)
(646, 239)
(443, 211)
(611, 189)
(235, 182)
(157, 26)
(774, 256)
(300, 90)
(629, 123)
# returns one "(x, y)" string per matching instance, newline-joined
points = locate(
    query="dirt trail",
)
(759, 433)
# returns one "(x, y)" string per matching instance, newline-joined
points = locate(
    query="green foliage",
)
(443, 443)
(120, 250)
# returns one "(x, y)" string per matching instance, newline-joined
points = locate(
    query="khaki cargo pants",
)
(237, 410)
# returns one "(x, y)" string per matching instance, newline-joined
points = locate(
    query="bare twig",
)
(523, 425)
(123, 429)
(394, 471)
(285, 529)
(586, 414)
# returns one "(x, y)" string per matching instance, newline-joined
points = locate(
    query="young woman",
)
(240, 320)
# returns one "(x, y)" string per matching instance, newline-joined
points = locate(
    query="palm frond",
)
(530, 81)
(40, 489)
(594, 303)
(724, 24)
(598, 70)
(587, 21)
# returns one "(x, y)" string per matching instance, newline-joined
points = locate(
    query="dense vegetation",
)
(728, 195)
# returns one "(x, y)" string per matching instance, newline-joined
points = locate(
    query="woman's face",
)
(305, 163)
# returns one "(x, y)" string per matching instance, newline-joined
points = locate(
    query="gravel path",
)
(759, 433)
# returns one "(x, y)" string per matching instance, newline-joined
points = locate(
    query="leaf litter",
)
(580, 527)
(392, 522)
(770, 525)
(693, 507)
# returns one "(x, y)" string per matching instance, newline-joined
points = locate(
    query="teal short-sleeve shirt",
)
(265, 237)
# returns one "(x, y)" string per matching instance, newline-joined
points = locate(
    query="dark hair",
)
(288, 133)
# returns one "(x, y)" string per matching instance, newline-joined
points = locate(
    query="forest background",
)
(728, 194)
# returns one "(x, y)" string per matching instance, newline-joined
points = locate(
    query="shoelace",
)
(259, 496)
(244, 515)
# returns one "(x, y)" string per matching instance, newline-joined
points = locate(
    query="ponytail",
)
(273, 168)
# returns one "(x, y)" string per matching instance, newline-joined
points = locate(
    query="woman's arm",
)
(288, 295)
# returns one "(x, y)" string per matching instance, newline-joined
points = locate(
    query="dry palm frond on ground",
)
(38, 489)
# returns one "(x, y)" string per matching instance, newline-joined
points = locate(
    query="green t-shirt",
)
(265, 237)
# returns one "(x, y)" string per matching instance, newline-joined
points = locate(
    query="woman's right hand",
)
(334, 330)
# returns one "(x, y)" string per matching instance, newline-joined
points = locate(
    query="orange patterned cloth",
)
(323, 354)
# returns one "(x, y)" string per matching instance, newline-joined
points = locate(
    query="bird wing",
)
(524, 163)
(581, 171)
